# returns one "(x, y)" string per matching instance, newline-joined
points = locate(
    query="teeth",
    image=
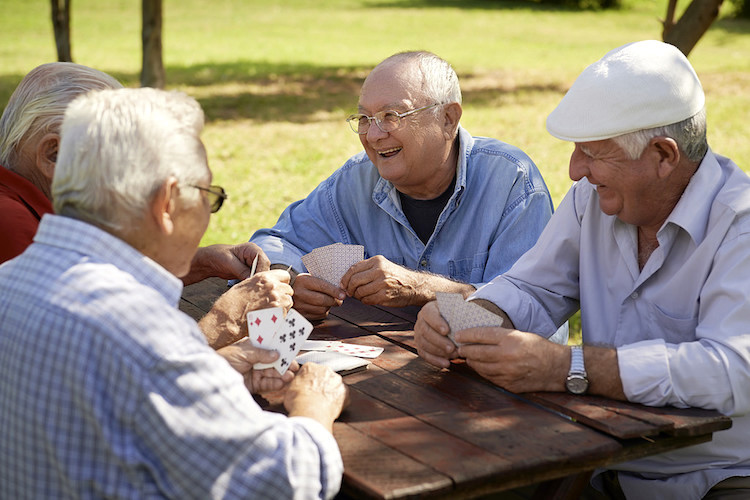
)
(387, 151)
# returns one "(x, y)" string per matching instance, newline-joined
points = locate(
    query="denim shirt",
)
(498, 209)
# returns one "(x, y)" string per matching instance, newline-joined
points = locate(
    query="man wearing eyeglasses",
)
(29, 139)
(435, 208)
(107, 390)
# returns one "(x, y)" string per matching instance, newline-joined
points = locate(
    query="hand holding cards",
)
(461, 314)
(269, 329)
(331, 262)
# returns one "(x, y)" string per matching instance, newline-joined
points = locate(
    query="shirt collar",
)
(100, 246)
(691, 212)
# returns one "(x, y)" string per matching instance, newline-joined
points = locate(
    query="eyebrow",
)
(586, 150)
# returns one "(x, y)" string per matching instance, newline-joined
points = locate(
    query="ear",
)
(46, 155)
(451, 116)
(668, 155)
(163, 205)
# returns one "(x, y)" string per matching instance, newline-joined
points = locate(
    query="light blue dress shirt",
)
(107, 390)
(681, 326)
(497, 211)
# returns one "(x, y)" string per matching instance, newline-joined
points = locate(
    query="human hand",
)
(317, 392)
(226, 322)
(381, 282)
(242, 355)
(431, 335)
(314, 297)
(226, 261)
(514, 360)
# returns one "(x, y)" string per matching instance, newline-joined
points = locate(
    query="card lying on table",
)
(269, 329)
(340, 363)
(331, 262)
(461, 314)
(361, 351)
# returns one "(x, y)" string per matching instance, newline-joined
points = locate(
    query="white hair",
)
(119, 146)
(37, 105)
(689, 134)
(439, 80)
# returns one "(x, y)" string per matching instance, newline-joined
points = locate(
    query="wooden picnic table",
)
(413, 430)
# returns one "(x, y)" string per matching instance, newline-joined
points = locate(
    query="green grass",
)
(276, 78)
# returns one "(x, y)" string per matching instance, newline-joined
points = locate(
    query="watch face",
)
(576, 384)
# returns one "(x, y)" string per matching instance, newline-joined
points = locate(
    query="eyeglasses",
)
(387, 121)
(215, 194)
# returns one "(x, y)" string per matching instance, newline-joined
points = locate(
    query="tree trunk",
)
(695, 21)
(152, 73)
(61, 27)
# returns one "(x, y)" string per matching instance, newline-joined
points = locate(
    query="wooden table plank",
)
(374, 470)
(628, 420)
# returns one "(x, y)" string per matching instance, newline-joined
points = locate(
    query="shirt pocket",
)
(468, 270)
(673, 329)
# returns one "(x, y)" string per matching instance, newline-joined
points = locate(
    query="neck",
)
(647, 243)
(34, 176)
(439, 180)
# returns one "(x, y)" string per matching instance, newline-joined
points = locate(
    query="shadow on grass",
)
(303, 93)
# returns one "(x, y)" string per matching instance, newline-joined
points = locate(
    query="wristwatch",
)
(577, 383)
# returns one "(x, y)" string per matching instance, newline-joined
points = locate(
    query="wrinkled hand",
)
(242, 355)
(431, 335)
(226, 261)
(379, 281)
(314, 297)
(514, 360)
(316, 392)
(226, 322)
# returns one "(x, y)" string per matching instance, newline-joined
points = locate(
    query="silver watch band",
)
(576, 360)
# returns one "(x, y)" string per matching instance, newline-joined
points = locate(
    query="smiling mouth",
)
(387, 153)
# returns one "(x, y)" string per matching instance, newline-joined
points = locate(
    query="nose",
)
(578, 167)
(374, 133)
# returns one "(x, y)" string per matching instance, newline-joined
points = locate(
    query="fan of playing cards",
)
(331, 262)
(269, 329)
(461, 314)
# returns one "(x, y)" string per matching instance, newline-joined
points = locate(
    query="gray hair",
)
(119, 146)
(439, 80)
(689, 134)
(37, 105)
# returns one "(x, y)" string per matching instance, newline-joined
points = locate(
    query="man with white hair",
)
(435, 208)
(29, 141)
(107, 390)
(652, 243)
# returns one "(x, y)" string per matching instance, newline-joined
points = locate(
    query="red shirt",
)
(22, 205)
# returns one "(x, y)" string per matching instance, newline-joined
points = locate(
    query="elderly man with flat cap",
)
(652, 243)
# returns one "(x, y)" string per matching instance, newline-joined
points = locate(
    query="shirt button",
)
(423, 263)
(634, 295)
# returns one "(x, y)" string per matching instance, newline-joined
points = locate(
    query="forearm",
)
(220, 325)
(316, 410)
(603, 372)
(200, 268)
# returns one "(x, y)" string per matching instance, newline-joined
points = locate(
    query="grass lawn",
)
(277, 77)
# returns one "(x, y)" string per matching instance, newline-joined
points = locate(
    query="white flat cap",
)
(637, 86)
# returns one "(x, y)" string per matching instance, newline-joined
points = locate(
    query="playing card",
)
(361, 351)
(262, 325)
(289, 339)
(318, 345)
(341, 363)
(331, 262)
(461, 314)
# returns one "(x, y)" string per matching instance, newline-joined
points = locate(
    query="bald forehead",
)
(398, 81)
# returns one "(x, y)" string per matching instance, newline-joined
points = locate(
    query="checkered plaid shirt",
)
(108, 391)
